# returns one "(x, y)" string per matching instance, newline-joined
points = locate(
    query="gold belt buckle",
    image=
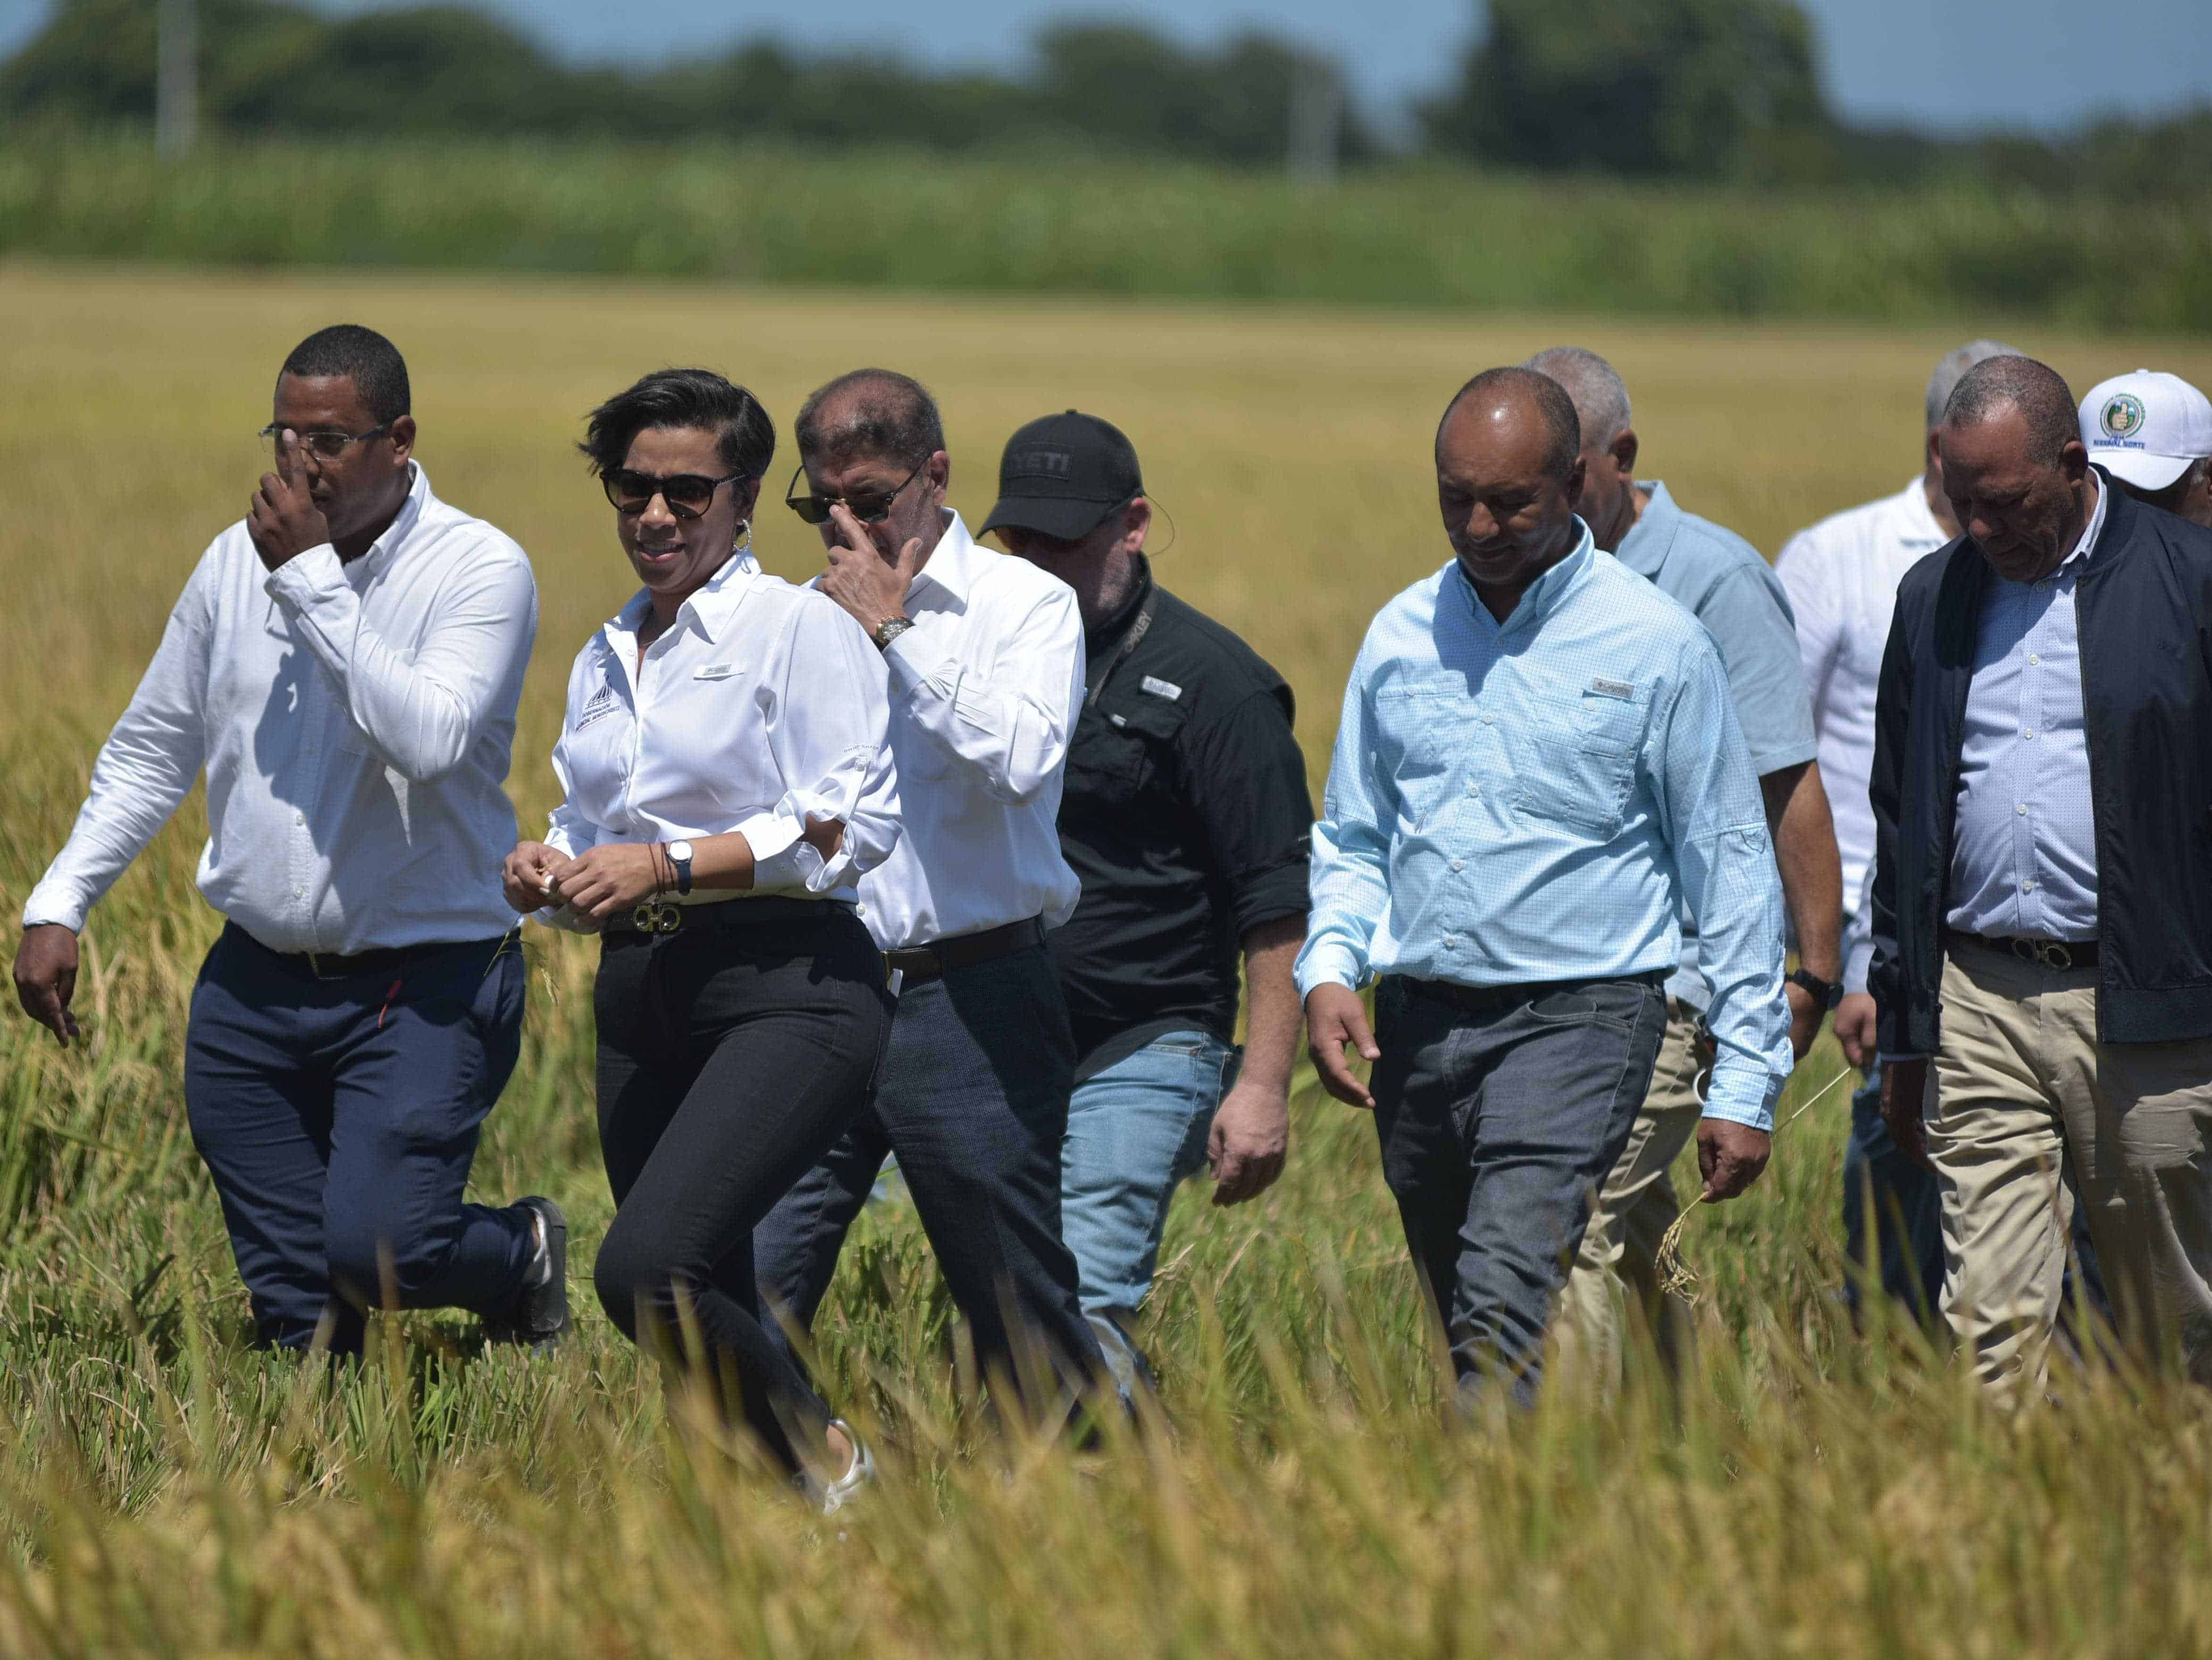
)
(657, 916)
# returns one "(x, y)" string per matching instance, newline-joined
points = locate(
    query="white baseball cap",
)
(2145, 428)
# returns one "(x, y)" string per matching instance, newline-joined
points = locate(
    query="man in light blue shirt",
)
(1537, 767)
(1719, 579)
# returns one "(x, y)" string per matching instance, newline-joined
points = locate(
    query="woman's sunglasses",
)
(688, 494)
(871, 509)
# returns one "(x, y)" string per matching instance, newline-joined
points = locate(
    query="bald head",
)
(2036, 391)
(877, 412)
(1515, 396)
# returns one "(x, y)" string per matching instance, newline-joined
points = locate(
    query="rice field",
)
(1805, 1491)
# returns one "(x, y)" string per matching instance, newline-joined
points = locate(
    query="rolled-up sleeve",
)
(421, 710)
(1350, 885)
(1008, 725)
(1712, 816)
(834, 751)
(1247, 784)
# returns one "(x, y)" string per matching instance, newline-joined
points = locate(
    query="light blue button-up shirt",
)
(2024, 852)
(1536, 799)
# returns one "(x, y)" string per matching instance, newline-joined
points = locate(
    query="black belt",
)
(1488, 999)
(661, 917)
(2055, 954)
(933, 961)
(328, 965)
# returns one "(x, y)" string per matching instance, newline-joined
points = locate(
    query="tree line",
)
(1721, 90)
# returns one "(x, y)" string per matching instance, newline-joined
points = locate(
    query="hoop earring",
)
(744, 536)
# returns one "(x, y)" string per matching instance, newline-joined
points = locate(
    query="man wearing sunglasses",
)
(344, 664)
(986, 659)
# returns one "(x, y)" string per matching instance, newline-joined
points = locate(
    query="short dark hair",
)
(700, 399)
(1561, 425)
(889, 415)
(363, 356)
(2036, 390)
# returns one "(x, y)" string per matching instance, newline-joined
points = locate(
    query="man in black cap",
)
(1187, 817)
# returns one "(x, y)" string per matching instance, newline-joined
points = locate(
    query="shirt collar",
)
(710, 605)
(1645, 549)
(1542, 596)
(2086, 548)
(1919, 517)
(955, 563)
(402, 525)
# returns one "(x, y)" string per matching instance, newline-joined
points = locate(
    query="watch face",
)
(680, 852)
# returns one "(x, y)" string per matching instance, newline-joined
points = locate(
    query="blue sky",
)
(1950, 65)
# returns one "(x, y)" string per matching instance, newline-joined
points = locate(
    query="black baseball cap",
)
(1061, 475)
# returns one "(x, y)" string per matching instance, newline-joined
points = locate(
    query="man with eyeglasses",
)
(344, 664)
(986, 659)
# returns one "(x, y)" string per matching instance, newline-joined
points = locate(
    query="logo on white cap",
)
(2123, 416)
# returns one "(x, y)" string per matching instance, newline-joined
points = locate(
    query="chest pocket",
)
(1122, 751)
(1574, 758)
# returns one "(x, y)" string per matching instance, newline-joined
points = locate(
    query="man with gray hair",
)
(1842, 576)
(1719, 579)
(986, 675)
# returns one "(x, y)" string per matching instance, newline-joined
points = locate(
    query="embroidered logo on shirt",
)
(714, 671)
(1159, 688)
(602, 702)
(1620, 689)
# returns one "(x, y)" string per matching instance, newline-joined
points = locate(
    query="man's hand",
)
(1805, 1017)
(46, 978)
(283, 520)
(1251, 1136)
(871, 589)
(1855, 1025)
(1333, 1018)
(526, 876)
(1904, 1092)
(612, 876)
(1730, 1156)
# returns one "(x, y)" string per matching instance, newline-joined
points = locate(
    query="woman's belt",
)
(738, 911)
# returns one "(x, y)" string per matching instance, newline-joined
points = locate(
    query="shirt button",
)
(1451, 942)
(2027, 887)
(1488, 720)
(1459, 864)
(2034, 660)
(2028, 732)
(299, 817)
(299, 893)
(1474, 789)
(2021, 809)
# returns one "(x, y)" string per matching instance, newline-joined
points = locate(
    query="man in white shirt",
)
(1841, 576)
(987, 673)
(345, 663)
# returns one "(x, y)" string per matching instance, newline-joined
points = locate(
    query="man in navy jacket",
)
(2043, 889)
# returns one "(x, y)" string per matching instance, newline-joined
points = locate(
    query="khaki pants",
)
(2033, 1115)
(1633, 1210)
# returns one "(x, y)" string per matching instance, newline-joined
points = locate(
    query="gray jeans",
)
(1498, 1127)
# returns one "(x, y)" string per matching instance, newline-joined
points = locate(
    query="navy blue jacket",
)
(2144, 610)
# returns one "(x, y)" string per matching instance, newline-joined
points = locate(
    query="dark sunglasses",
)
(688, 494)
(871, 509)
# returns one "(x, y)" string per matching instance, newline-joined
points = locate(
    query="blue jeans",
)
(1135, 1131)
(339, 1118)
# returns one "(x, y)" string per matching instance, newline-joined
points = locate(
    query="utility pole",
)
(1316, 116)
(177, 78)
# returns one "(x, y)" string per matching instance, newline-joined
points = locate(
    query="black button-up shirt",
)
(1187, 817)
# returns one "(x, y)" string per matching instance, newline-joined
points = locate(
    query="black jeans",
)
(730, 1060)
(1497, 1130)
(974, 1102)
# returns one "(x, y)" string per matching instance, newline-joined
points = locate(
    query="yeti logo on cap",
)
(1043, 463)
(2123, 417)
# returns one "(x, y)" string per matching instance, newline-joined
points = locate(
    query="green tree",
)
(1703, 89)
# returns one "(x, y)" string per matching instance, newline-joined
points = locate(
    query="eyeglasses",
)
(871, 509)
(328, 445)
(688, 494)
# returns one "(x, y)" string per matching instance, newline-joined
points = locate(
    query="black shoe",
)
(538, 1315)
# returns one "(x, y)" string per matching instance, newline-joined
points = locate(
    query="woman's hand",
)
(612, 877)
(526, 877)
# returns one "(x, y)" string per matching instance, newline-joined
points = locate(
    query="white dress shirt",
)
(354, 721)
(2024, 850)
(761, 706)
(1841, 576)
(985, 690)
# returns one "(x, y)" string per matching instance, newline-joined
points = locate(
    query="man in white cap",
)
(2153, 433)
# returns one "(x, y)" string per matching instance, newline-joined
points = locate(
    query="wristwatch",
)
(679, 861)
(889, 629)
(1826, 994)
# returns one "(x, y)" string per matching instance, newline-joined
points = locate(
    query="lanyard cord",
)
(1130, 641)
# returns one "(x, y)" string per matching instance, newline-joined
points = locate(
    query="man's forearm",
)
(1804, 832)
(1274, 1014)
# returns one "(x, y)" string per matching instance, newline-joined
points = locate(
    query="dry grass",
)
(165, 1493)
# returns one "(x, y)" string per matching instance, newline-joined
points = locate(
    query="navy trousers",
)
(339, 1118)
(974, 1100)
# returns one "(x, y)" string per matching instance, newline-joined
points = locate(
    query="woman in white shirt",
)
(728, 781)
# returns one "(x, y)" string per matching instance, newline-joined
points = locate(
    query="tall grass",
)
(1062, 222)
(164, 1490)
